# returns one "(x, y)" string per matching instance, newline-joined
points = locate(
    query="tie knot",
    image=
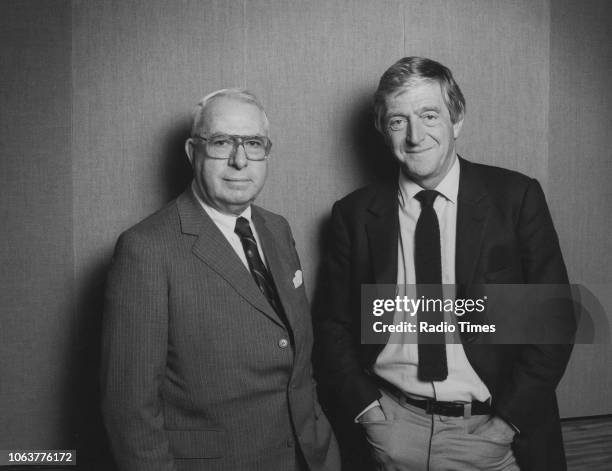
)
(427, 197)
(243, 229)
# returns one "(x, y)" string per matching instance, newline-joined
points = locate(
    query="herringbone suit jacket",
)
(197, 373)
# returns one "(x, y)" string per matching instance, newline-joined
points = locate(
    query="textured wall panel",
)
(139, 68)
(315, 65)
(36, 220)
(498, 52)
(580, 169)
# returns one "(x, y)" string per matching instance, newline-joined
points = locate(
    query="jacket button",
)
(283, 343)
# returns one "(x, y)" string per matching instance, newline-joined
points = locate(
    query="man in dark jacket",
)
(431, 404)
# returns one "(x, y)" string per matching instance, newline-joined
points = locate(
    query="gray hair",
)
(407, 71)
(239, 94)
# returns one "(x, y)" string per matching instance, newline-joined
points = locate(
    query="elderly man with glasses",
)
(207, 335)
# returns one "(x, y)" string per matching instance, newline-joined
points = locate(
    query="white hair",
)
(239, 94)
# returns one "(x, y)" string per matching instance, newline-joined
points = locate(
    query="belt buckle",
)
(429, 406)
(467, 410)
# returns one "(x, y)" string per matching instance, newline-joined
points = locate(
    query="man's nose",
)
(238, 159)
(415, 132)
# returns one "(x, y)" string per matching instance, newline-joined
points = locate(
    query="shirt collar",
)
(448, 187)
(221, 219)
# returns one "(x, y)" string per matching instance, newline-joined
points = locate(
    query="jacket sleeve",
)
(134, 348)
(538, 368)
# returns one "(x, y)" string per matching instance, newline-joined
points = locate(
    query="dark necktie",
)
(260, 273)
(428, 269)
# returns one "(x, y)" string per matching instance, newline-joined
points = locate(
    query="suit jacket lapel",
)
(212, 248)
(276, 258)
(382, 228)
(472, 211)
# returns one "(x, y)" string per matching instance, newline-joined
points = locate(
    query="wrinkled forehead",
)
(229, 115)
(415, 94)
(415, 84)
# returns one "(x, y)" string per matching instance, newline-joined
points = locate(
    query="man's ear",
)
(377, 125)
(457, 127)
(381, 130)
(189, 150)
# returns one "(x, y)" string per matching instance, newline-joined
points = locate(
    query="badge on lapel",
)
(297, 279)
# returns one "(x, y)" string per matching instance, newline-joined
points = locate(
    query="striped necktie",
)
(260, 273)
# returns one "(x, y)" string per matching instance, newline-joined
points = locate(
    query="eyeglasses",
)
(224, 146)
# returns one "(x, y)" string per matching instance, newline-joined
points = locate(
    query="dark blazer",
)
(196, 374)
(504, 235)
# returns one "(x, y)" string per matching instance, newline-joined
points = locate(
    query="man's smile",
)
(417, 151)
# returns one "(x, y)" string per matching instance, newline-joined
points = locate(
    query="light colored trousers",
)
(412, 440)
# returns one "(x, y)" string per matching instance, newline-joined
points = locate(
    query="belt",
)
(431, 406)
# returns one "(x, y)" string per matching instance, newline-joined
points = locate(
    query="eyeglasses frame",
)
(237, 140)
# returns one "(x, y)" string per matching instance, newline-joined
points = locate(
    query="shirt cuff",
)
(514, 427)
(510, 424)
(374, 404)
